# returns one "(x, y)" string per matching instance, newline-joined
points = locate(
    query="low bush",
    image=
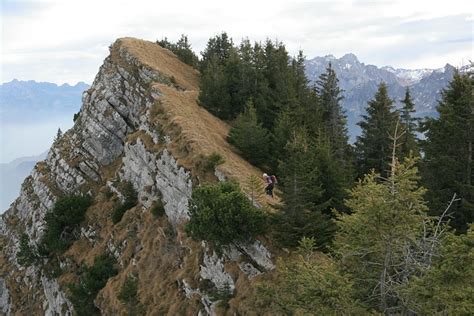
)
(93, 279)
(131, 199)
(62, 223)
(222, 214)
(128, 296)
(27, 254)
(212, 161)
(158, 209)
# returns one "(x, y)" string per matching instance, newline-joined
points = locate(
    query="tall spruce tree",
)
(185, 52)
(216, 80)
(335, 123)
(333, 116)
(333, 176)
(299, 175)
(448, 162)
(250, 137)
(302, 195)
(373, 147)
(234, 84)
(213, 88)
(279, 76)
(217, 47)
(408, 143)
(261, 88)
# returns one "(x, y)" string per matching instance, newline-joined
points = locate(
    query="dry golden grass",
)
(159, 255)
(162, 60)
(197, 132)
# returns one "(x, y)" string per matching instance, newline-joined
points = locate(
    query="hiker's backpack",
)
(274, 179)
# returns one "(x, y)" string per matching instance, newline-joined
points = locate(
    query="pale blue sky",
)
(66, 41)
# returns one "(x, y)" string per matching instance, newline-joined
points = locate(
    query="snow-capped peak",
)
(409, 76)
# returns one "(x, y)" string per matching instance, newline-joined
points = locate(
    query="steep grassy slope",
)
(139, 123)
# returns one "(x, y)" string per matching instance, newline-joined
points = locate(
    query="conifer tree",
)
(250, 138)
(213, 88)
(375, 241)
(254, 188)
(58, 136)
(185, 53)
(333, 116)
(233, 74)
(302, 195)
(248, 71)
(182, 49)
(373, 147)
(217, 48)
(447, 288)
(408, 142)
(448, 162)
(334, 178)
(335, 124)
(299, 77)
(279, 76)
(299, 175)
(261, 89)
(305, 286)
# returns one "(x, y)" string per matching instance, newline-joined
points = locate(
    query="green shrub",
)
(131, 199)
(93, 279)
(158, 209)
(128, 293)
(222, 214)
(62, 223)
(222, 295)
(27, 255)
(212, 161)
(129, 296)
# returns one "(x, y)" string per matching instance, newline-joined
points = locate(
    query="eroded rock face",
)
(158, 177)
(213, 269)
(4, 298)
(55, 302)
(115, 140)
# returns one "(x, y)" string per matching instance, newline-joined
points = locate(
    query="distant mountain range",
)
(30, 114)
(360, 81)
(12, 175)
(31, 100)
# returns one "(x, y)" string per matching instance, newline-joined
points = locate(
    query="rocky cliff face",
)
(139, 123)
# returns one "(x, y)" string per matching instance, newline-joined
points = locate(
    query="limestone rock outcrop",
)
(139, 124)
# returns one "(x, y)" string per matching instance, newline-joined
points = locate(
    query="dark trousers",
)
(269, 189)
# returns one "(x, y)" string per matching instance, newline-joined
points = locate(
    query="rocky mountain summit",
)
(359, 82)
(139, 124)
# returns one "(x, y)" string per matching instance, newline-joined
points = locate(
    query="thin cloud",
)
(66, 41)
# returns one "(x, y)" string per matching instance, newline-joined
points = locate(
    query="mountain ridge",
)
(133, 127)
(360, 81)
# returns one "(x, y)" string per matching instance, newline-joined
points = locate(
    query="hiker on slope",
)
(270, 181)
